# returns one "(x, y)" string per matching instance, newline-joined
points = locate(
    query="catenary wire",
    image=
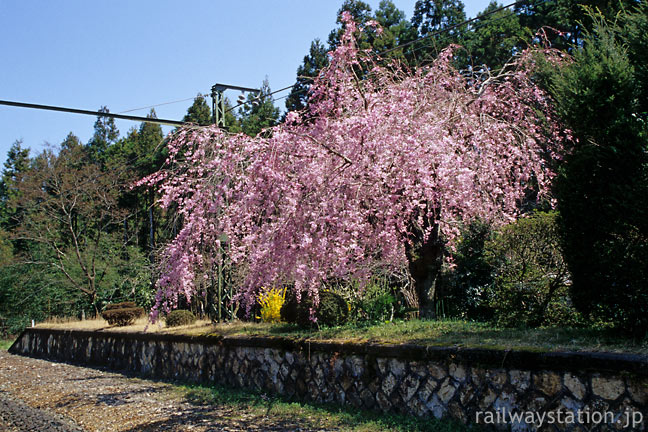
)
(179, 123)
(428, 36)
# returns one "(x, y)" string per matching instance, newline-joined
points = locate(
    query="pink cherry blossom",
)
(332, 191)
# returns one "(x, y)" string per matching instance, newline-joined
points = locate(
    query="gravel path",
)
(16, 415)
(38, 395)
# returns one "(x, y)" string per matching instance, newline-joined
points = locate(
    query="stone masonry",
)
(579, 391)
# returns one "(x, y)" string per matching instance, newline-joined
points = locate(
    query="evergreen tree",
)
(602, 189)
(199, 113)
(431, 16)
(152, 153)
(568, 17)
(397, 30)
(150, 146)
(260, 112)
(105, 134)
(232, 123)
(140, 153)
(495, 38)
(70, 141)
(15, 166)
(361, 13)
(313, 63)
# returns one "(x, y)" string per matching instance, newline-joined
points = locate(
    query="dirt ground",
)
(43, 396)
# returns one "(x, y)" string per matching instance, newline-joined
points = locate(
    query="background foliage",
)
(75, 235)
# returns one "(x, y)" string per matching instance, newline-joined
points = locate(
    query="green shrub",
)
(122, 305)
(602, 184)
(288, 311)
(332, 310)
(376, 302)
(531, 279)
(122, 316)
(464, 287)
(180, 317)
(382, 298)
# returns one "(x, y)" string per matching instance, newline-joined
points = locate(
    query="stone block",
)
(447, 390)
(638, 391)
(607, 388)
(456, 411)
(569, 404)
(457, 371)
(547, 382)
(418, 408)
(383, 402)
(397, 367)
(427, 389)
(408, 387)
(368, 399)
(418, 368)
(466, 394)
(506, 402)
(630, 416)
(487, 399)
(388, 384)
(575, 386)
(437, 371)
(521, 380)
(478, 376)
(383, 365)
(435, 406)
(497, 378)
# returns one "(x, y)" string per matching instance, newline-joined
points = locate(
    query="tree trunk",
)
(151, 236)
(424, 258)
(151, 231)
(93, 300)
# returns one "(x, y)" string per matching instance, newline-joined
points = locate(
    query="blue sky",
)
(130, 54)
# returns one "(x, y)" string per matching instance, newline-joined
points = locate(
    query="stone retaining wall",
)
(466, 384)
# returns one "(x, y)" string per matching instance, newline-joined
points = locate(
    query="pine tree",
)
(568, 17)
(199, 113)
(360, 12)
(431, 16)
(495, 38)
(15, 166)
(105, 134)
(70, 141)
(260, 112)
(313, 63)
(602, 188)
(396, 30)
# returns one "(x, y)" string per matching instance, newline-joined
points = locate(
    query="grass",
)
(423, 332)
(451, 333)
(312, 415)
(5, 344)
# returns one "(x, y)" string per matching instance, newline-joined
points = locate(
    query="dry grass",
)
(142, 325)
(423, 332)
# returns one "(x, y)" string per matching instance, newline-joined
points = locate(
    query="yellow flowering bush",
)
(271, 301)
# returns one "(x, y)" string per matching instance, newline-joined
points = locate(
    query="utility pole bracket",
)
(218, 100)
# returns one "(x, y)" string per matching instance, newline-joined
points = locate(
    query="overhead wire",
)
(453, 27)
(181, 123)
(200, 95)
(422, 38)
(89, 112)
(260, 97)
